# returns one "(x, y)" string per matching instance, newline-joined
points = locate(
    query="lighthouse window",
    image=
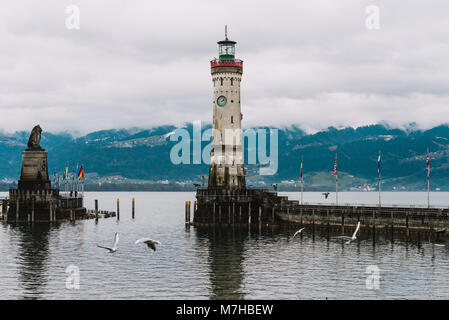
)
(221, 81)
(232, 81)
(232, 119)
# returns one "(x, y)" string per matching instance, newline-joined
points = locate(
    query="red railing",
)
(226, 63)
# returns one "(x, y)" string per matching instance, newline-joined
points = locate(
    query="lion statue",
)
(35, 138)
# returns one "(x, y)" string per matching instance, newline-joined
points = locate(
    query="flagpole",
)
(380, 187)
(336, 182)
(302, 184)
(428, 179)
(380, 180)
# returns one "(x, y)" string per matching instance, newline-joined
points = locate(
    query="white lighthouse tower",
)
(226, 166)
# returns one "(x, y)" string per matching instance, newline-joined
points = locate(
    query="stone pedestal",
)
(34, 174)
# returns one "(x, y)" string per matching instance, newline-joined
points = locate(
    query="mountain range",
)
(142, 157)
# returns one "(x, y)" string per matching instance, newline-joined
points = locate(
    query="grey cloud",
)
(145, 63)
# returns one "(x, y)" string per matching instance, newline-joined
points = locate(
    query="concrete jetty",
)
(260, 207)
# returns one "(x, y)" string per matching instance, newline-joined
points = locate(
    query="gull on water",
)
(354, 235)
(149, 242)
(114, 247)
(297, 232)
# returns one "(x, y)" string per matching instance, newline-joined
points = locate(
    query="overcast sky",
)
(143, 63)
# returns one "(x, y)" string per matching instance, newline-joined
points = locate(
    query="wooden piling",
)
(392, 225)
(118, 209)
(32, 210)
(187, 213)
(5, 210)
(342, 222)
(406, 224)
(229, 215)
(17, 210)
(195, 206)
(233, 213)
(213, 218)
(134, 208)
(249, 213)
(96, 209)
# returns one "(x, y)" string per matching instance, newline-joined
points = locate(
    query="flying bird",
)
(354, 235)
(297, 232)
(114, 247)
(325, 194)
(149, 242)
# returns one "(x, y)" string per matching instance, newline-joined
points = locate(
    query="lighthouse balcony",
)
(234, 65)
(226, 63)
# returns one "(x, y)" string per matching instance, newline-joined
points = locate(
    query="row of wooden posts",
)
(52, 211)
(188, 221)
(133, 208)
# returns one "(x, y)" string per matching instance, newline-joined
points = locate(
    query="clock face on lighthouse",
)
(221, 101)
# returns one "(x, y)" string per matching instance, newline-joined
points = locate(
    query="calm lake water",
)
(213, 263)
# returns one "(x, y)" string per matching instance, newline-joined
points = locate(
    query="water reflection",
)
(33, 257)
(226, 257)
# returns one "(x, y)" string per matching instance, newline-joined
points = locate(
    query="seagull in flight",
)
(325, 194)
(297, 232)
(114, 247)
(354, 235)
(149, 242)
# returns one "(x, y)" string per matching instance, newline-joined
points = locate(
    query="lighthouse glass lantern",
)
(226, 50)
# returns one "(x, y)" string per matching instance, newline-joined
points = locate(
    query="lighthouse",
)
(226, 166)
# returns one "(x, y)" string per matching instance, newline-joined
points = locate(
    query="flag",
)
(378, 165)
(81, 173)
(54, 176)
(335, 167)
(301, 169)
(73, 175)
(428, 165)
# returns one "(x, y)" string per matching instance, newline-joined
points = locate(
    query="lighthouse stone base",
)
(234, 206)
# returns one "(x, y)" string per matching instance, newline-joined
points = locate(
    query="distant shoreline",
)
(174, 187)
